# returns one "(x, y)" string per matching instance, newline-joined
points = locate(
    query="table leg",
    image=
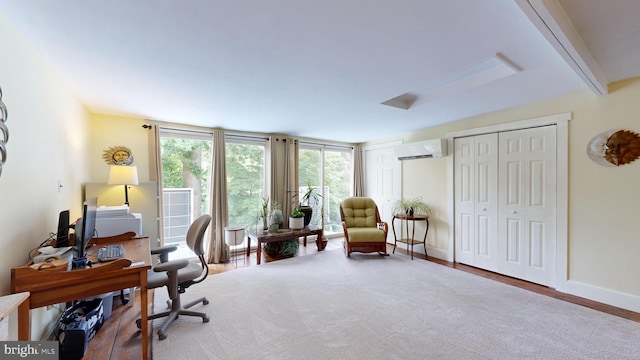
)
(144, 314)
(319, 242)
(248, 246)
(259, 252)
(24, 321)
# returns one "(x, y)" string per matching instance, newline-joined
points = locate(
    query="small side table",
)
(410, 240)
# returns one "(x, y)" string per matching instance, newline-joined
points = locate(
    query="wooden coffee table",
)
(283, 234)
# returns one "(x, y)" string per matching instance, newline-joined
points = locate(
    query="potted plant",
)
(265, 210)
(296, 220)
(411, 207)
(309, 198)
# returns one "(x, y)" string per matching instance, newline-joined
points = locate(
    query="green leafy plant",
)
(265, 206)
(296, 213)
(414, 206)
(310, 194)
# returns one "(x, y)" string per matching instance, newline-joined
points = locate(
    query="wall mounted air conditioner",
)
(434, 148)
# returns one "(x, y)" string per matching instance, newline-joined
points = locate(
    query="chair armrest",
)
(344, 229)
(173, 265)
(164, 251)
(382, 225)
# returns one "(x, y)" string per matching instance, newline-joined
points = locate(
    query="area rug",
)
(328, 306)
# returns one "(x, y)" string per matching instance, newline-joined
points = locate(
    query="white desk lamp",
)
(123, 175)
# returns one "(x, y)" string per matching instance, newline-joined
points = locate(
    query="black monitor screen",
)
(86, 227)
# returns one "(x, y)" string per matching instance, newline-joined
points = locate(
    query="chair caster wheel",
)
(205, 319)
(205, 302)
(139, 323)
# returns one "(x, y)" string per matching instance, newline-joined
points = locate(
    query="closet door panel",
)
(527, 205)
(486, 201)
(464, 191)
(541, 206)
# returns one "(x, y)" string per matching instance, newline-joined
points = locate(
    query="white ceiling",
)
(320, 68)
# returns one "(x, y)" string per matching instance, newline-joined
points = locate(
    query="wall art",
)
(614, 147)
(4, 137)
(118, 155)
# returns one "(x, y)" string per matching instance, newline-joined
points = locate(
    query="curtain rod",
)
(200, 132)
(243, 136)
(327, 145)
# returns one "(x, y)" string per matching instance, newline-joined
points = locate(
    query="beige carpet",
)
(326, 306)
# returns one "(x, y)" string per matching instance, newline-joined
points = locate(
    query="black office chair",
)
(177, 275)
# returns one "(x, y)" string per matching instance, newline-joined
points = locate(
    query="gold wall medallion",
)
(614, 147)
(118, 155)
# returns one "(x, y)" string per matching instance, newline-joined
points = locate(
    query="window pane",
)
(245, 181)
(186, 178)
(309, 172)
(337, 174)
(329, 171)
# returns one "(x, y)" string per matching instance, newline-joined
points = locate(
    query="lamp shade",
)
(123, 175)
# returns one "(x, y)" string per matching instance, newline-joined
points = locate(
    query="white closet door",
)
(464, 189)
(527, 194)
(476, 208)
(486, 204)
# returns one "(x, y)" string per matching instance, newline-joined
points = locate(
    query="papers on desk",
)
(49, 253)
(112, 211)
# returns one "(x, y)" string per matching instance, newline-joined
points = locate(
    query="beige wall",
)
(111, 130)
(604, 228)
(48, 141)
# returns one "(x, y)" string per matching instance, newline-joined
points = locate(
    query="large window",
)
(186, 179)
(245, 178)
(327, 169)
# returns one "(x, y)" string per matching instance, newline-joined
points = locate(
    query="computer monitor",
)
(62, 236)
(86, 227)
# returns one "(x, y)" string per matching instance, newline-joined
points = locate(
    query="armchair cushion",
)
(359, 212)
(365, 234)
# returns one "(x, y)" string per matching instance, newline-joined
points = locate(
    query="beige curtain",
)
(290, 176)
(358, 171)
(217, 251)
(274, 194)
(155, 174)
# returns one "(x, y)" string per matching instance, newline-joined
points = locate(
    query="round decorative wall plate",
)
(118, 155)
(614, 147)
(4, 130)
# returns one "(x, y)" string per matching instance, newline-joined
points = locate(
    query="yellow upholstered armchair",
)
(363, 229)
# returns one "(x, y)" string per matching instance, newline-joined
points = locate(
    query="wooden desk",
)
(283, 234)
(49, 288)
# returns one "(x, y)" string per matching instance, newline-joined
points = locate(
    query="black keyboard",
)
(110, 252)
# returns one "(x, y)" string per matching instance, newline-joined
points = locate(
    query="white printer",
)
(116, 220)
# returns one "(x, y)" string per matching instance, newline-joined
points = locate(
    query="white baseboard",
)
(606, 296)
(439, 254)
(603, 295)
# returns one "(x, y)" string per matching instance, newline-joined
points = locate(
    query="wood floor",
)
(119, 338)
